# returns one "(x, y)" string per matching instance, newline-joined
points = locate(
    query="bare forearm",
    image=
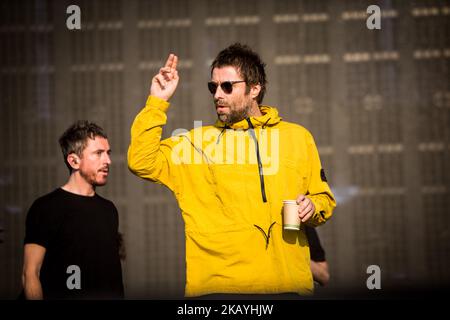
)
(320, 272)
(32, 288)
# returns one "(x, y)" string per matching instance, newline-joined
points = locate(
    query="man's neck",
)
(255, 111)
(78, 185)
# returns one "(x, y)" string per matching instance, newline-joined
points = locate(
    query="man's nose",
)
(108, 159)
(219, 93)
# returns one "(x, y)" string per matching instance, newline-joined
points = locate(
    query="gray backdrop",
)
(377, 102)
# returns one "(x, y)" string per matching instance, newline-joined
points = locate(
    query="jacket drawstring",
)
(221, 133)
(260, 168)
(266, 236)
(265, 123)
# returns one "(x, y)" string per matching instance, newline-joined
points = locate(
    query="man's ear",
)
(255, 90)
(74, 161)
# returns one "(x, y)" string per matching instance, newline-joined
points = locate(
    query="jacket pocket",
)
(230, 188)
(294, 178)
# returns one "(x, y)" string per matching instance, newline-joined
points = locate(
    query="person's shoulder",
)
(295, 128)
(203, 129)
(47, 198)
(104, 201)
(44, 206)
(198, 132)
(190, 135)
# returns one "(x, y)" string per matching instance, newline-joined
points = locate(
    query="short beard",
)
(234, 115)
(91, 181)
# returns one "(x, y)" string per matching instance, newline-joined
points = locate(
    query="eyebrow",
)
(102, 150)
(225, 81)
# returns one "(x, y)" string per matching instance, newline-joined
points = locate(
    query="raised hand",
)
(165, 82)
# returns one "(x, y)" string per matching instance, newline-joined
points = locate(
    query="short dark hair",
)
(247, 62)
(74, 139)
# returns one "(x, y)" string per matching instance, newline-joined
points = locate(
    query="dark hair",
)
(74, 139)
(247, 62)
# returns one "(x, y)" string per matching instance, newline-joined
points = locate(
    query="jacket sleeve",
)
(148, 156)
(318, 190)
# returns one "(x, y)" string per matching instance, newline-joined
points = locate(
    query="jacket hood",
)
(269, 117)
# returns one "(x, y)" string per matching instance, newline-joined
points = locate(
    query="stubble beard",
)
(235, 115)
(91, 178)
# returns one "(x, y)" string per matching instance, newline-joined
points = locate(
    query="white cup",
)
(291, 220)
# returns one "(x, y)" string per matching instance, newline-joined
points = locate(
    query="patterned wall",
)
(377, 102)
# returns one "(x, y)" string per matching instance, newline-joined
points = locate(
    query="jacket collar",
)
(269, 118)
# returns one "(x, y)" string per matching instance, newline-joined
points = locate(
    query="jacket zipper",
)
(266, 236)
(260, 168)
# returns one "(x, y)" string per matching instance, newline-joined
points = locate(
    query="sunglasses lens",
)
(212, 87)
(227, 87)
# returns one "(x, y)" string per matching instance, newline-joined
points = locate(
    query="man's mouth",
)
(104, 170)
(220, 108)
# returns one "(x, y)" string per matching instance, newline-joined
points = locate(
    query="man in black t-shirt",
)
(319, 265)
(71, 246)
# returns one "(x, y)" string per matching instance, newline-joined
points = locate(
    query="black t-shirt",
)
(315, 248)
(76, 231)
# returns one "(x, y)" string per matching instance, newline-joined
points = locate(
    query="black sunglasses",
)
(227, 86)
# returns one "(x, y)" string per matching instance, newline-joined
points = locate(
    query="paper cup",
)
(291, 220)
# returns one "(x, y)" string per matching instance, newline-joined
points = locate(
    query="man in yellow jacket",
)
(230, 181)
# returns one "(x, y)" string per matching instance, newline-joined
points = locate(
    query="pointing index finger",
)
(174, 62)
(169, 61)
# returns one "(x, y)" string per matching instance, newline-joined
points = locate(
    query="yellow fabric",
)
(221, 202)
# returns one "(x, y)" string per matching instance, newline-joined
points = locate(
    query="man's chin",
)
(223, 117)
(100, 183)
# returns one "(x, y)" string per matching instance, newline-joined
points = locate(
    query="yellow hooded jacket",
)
(230, 183)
